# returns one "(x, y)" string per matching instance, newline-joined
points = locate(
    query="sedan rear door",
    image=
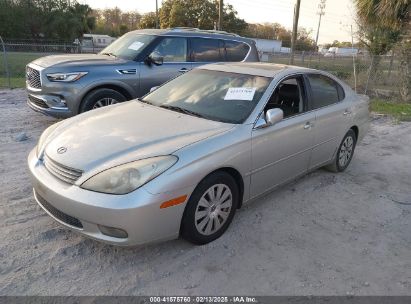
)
(333, 116)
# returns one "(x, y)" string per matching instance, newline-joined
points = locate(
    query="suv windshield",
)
(215, 95)
(128, 46)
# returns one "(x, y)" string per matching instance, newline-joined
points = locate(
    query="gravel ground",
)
(325, 234)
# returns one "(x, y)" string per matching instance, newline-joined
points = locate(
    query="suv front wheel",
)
(101, 98)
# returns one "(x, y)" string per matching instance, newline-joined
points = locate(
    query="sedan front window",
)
(216, 95)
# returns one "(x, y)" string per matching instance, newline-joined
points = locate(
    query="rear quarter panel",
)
(361, 114)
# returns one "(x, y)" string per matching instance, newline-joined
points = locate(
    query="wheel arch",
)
(126, 92)
(356, 131)
(234, 173)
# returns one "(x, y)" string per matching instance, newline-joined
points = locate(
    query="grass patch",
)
(17, 62)
(15, 82)
(400, 111)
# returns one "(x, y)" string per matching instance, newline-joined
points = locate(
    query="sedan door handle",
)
(183, 70)
(307, 125)
(347, 112)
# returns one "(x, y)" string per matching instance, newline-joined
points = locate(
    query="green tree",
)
(148, 20)
(384, 23)
(201, 14)
(50, 19)
(115, 22)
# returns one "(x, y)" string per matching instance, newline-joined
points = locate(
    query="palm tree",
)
(391, 15)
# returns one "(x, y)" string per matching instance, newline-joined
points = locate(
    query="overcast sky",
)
(339, 14)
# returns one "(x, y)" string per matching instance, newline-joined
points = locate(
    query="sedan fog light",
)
(114, 232)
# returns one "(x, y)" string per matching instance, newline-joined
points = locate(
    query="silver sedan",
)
(181, 160)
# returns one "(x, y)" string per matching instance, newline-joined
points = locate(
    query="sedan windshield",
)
(215, 95)
(128, 46)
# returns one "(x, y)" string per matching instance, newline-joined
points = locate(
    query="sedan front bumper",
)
(90, 213)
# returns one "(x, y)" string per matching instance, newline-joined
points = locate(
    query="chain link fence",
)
(376, 77)
(17, 53)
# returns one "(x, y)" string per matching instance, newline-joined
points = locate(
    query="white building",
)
(266, 47)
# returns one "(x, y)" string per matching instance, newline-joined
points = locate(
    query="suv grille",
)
(66, 174)
(38, 102)
(69, 220)
(33, 78)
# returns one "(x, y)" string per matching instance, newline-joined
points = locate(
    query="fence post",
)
(6, 65)
(369, 75)
(390, 68)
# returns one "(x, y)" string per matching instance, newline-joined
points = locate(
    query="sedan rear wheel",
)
(345, 153)
(210, 209)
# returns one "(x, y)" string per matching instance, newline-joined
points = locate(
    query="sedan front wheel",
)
(210, 209)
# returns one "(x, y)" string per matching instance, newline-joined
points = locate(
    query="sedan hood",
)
(125, 132)
(76, 60)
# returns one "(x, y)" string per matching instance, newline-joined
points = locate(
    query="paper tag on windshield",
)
(240, 94)
(136, 45)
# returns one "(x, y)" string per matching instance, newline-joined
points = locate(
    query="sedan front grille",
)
(38, 102)
(33, 78)
(65, 218)
(64, 173)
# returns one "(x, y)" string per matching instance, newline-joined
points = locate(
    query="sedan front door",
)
(281, 152)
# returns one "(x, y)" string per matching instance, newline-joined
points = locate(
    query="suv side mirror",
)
(155, 58)
(272, 116)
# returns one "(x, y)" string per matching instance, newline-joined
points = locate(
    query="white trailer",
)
(341, 52)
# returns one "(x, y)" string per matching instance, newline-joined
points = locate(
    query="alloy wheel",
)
(104, 102)
(346, 150)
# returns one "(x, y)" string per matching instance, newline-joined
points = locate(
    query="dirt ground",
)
(325, 234)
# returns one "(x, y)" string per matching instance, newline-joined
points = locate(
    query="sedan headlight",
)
(128, 177)
(66, 77)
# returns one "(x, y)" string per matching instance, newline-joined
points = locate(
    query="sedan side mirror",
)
(155, 58)
(272, 116)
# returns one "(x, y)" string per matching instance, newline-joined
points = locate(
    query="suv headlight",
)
(128, 177)
(66, 77)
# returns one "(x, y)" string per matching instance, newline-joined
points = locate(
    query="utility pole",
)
(157, 21)
(321, 12)
(295, 28)
(220, 15)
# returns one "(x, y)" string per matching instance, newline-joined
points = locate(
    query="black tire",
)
(98, 95)
(336, 165)
(190, 227)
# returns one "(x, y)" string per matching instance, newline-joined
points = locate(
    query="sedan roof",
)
(254, 68)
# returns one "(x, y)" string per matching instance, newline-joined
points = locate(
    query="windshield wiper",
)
(109, 54)
(144, 101)
(182, 110)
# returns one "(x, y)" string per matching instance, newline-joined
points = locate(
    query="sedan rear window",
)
(215, 95)
(325, 91)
